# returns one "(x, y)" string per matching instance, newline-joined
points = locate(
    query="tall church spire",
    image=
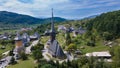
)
(52, 23)
(53, 33)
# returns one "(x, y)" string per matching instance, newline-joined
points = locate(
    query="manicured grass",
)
(89, 49)
(44, 39)
(24, 64)
(98, 47)
(60, 38)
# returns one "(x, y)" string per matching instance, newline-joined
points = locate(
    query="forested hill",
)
(14, 18)
(107, 24)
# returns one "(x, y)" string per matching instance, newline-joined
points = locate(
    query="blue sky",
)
(69, 9)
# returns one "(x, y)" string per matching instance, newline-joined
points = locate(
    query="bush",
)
(23, 56)
(47, 66)
(71, 47)
(12, 61)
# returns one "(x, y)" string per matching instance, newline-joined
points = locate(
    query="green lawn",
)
(98, 47)
(44, 39)
(89, 49)
(60, 38)
(23, 64)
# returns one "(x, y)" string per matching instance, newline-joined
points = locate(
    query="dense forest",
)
(107, 25)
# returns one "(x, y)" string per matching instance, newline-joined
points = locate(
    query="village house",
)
(64, 29)
(26, 29)
(101, 55)
(46, 33)
(61, 28)
(5, 36)
(78, 31)
(25, 39)
(21, 41)
(35, 36)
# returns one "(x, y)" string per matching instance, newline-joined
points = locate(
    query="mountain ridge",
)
(15, 18)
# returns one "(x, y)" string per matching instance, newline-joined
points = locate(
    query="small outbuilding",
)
(101, 55)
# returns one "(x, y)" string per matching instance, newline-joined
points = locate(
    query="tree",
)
(116, 62)
(91, 61)
(37, 51)
(39, 46)
(67, 38)
(91, 43)
(74, 64)
(71, 47)
(64, 65)
(82, 61)
(23, 56)
(47, 66)
(11, 53)
(12, 60)
(107, 36)
(57, 64)
(1, 56)
(37, 54)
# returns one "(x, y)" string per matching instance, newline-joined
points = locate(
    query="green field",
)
(89, 49)
(98, 47)
(10, 31)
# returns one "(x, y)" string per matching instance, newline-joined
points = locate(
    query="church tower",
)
(52, 32)
(54, 47)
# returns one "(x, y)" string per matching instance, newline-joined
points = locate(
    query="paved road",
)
(28, 49)
(69, 56)
(46, 55)
(5, 62)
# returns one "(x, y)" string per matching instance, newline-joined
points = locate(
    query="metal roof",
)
(99, 54)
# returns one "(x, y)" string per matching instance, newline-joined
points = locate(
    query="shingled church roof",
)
(55, 49)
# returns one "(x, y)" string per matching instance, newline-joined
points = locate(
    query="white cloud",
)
(26, 8)
(41, 8)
